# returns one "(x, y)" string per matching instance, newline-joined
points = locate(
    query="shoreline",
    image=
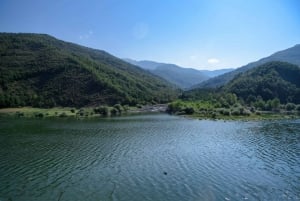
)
(89, 112)
(85, 112)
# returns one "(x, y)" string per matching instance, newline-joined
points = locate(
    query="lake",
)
(149, 157)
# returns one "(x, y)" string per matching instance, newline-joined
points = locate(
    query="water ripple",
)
(151, 157)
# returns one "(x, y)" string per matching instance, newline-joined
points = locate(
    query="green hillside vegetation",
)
(290, 55)
(272, 80)
(41, 71)
(272, 88)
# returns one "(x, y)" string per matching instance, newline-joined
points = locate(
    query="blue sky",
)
(203, 34)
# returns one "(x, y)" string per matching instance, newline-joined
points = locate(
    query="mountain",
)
(180, 76)
(147, 65)
(290, 55)
(214, 73)
(268, 81)
(40, 70)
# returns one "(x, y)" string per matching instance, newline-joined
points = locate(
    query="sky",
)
(202, 34)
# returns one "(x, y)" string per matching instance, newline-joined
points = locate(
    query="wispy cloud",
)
(86, 35)
(213, 61)
(140, 30)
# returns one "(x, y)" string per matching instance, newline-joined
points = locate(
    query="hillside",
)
(271, 80)
(39, 70)
(147, 65)
(290, 55)
(180, 76)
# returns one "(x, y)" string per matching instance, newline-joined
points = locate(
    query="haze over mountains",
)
(180, 76)
(290, 55)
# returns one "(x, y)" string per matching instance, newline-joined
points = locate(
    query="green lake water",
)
(148, 157)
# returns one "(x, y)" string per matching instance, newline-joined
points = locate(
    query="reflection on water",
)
(151, 157)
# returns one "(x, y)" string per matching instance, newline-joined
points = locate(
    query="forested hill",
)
(39, 70)
(290, 55)
(269, 81)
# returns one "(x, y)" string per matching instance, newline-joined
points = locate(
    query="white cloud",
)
(213, 61)
(193, 57)
(86, 35)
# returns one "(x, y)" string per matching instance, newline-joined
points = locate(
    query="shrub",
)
(189, 110)
(290, 106)
(236, 111)
(63, 114)
(73, 110)
(104, 110)
(126, 107)
(258, 113)
(246, 112)
(81, 112)
(114, 111)
(40, 115)
(174, 107)
(19, 114)
(226, 112)
(119, 108)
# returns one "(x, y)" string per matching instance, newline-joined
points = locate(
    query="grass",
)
(89, 112)
(252, 116)
(61, 112)
(38, 112)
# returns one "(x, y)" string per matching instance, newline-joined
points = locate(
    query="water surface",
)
(149, 157)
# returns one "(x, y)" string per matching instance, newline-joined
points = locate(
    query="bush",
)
(103, 110)
(19, 114)
(175, 107)
(81, 112)
(189, 110)
(246, 112)
(236, 111)
(126, 107)
(73, 110)
(39, 115)
(114, 111)
(226, 112)
(63, 114)
(290, 106)
(119, 108)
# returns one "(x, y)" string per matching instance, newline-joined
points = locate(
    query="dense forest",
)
(39, 70)
(272, 80)
(273, 86)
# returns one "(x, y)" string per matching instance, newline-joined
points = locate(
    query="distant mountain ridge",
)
(290, 55)
(42, 71)
(180, 76)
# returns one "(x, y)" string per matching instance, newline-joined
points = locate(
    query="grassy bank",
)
(87, 112)
(209, 110)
